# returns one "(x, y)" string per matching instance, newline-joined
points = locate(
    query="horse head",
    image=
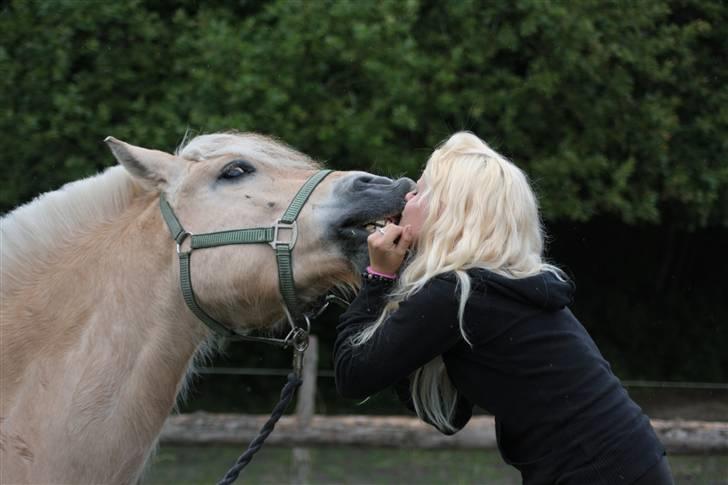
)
(224, 182)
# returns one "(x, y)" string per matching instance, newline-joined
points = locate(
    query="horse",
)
(96, 341)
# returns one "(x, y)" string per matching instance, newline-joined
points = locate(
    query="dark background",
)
(617, 110)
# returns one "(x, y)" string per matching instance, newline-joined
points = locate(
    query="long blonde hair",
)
(482, 213)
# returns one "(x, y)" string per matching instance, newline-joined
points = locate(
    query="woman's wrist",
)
(373, 274)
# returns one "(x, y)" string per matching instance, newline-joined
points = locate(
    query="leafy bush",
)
(613, 107)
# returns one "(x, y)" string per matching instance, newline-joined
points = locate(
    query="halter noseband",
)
(298, 336)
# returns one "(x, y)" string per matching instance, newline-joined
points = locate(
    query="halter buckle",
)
(286, 226)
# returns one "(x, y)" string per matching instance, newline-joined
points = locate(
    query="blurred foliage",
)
(613, 107)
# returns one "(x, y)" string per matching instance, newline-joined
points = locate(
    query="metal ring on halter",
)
(292, 321)
(297, 338)
(308, 324)
(300, 341)
(180, 239)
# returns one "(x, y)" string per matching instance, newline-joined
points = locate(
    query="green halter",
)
(270, 235)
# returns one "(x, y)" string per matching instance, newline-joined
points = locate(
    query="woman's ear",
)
(154, 169)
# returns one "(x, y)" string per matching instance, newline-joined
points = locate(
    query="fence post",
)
(305, 408)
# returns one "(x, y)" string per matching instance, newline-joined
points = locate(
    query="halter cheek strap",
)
(282, 238)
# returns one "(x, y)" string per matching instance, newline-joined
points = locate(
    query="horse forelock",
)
(265, 148)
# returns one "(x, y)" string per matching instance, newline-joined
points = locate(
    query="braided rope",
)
(287, 394)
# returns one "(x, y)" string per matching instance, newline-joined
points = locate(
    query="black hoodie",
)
(561, 414)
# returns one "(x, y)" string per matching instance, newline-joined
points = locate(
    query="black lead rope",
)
(287, 393)
(298, 340)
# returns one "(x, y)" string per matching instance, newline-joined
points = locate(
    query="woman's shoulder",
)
(479, 279)
(477, 276)
(546, 289)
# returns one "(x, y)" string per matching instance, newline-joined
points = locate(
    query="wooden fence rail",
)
(306, 429)
(397, 431)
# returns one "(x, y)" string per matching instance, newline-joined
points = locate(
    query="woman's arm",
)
(423, 327)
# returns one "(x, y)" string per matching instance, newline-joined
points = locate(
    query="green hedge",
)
(613, 107)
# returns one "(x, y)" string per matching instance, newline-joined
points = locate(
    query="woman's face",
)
(415, 211)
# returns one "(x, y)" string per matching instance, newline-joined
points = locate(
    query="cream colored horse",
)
(95, 339)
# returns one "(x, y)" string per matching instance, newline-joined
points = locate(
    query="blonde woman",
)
(476, 317)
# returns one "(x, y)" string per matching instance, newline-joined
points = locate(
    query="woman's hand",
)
(387, 248)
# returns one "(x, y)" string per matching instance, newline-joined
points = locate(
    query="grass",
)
(377, 466)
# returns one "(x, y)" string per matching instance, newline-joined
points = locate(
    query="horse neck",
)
(108, 351)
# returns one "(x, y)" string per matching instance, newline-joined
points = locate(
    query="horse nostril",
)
(367, 180)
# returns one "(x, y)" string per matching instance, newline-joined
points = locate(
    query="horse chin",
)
(353, 243)
(354, 246)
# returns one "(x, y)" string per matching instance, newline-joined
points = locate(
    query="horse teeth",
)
(372, 226)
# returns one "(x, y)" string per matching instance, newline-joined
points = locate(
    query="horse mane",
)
(42, 226)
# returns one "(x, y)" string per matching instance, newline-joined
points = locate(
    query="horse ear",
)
(153, 168)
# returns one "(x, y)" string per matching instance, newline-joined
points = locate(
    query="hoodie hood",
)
(544, 290)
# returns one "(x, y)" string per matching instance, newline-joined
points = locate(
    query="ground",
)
(366, 466)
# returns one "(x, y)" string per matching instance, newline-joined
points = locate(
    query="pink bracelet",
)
(383, 275)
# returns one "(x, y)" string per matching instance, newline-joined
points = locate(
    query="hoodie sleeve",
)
(423, 327)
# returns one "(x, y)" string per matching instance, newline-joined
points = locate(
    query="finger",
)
(405, 240)
(386, 227)
(376, 235)
(391, 232)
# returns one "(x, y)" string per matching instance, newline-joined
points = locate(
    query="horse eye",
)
(236, 169)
